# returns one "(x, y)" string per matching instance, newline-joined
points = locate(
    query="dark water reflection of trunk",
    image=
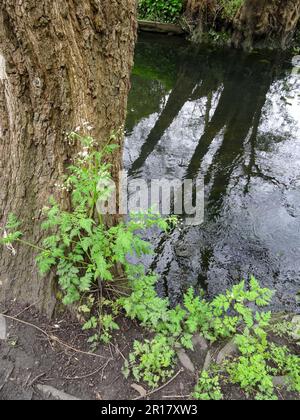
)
(234, 119)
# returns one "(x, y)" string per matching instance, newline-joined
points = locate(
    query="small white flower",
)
(83, 154)
(9, 246)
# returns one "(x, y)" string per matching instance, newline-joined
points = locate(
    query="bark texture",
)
(266, 22)
(66, 63)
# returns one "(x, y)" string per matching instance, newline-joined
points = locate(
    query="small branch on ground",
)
(160, 388)
(27, 309)
(53, 338)
(77, 378)
(36, 379)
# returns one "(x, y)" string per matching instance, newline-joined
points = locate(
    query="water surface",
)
(234, 119)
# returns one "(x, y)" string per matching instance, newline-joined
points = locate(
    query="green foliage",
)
(260, 360)
(80, 248)
(282, 328)
(228, 315)
(160, 10)
(10, 231)
(151, 361)
(220, 318)
(251, 370)
(171, 10)
(229, 8)
(143, 303)
(83, 251)
(208, 388)
(286, 365)
(106, 324)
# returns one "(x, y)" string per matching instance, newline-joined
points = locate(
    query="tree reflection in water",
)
(229, 117)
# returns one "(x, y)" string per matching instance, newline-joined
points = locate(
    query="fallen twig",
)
(160, 388)
(36, 379)
(118, 351)
(77, 378)
(53, 337)
(26, 309)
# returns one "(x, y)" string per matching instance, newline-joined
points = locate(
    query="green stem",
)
(45, 250)
(31, 245)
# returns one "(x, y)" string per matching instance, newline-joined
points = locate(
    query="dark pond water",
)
(235, 119)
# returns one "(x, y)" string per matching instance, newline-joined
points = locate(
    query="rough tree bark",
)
(266, 22)
(66, 63)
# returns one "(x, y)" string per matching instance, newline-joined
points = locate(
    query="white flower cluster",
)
(84, 153)
(85, 126)
(61, 187)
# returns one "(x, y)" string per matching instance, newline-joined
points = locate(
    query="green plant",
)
(286, 365)
(106, 324)
(229, 8)
(225, 316)
(217, 319)
(151, 361)
(80, 247)
(260, 360)
(234, 314)
(160, 10)
(251, 370)
(282, 328)
(11, 233)
(208, 387)
(292, 368)
(83, 251)
(222, 317)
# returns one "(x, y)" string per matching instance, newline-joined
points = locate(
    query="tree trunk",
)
(66, 63)
(266, 23)
(200, 16)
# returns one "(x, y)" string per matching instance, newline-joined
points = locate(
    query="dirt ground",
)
(55, 354)
(29, 358)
